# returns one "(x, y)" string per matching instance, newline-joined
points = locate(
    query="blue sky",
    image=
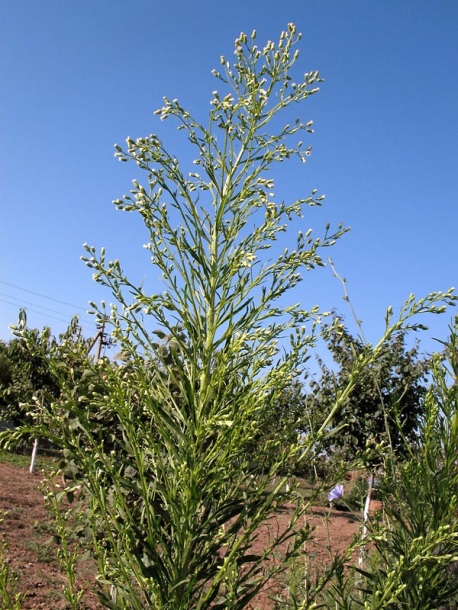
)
(78, 77)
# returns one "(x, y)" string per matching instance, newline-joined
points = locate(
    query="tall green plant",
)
(222, 319)
(176, 501)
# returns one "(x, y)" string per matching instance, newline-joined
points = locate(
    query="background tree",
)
(25, 375)
(26, 371)
(386, 401)
(279, 427)
(6, 379)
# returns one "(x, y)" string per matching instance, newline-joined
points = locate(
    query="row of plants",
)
(173, 457)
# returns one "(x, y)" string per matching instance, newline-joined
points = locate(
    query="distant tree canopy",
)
(26, 374)
(279, 425)
(386, 401)
(23, 374)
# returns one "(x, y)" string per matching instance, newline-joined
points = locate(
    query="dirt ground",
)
(31, 549)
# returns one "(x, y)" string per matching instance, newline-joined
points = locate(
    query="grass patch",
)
(22, 460)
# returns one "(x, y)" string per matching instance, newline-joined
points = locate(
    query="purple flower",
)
(336, 493)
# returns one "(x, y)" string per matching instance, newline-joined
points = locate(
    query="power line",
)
(25, 304)
(43, 296)
(48, 315)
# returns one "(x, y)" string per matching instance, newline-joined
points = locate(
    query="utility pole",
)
(103, 339)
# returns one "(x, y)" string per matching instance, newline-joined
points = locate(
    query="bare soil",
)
(31, 547)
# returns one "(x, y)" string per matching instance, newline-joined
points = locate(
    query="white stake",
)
(34, 455)
(370, 485)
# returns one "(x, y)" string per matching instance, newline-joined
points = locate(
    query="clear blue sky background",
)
(78, 77)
